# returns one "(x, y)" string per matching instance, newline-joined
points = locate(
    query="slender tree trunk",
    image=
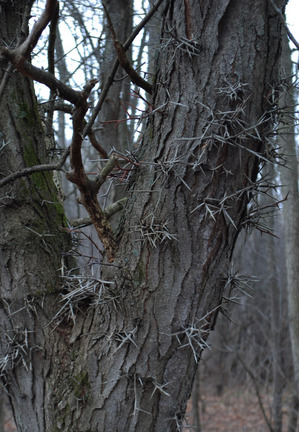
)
(195, 402)
(154, 40)
(294, 407)
(113, 135)
(128, 361)
(2, 413)
(276, 328)
(63, 76)
(289, 177)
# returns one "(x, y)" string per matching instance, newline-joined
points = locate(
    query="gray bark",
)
(289, 178)
(276, 327)
(113, 135)
(128, 363)
(63, 76)
(32, 245)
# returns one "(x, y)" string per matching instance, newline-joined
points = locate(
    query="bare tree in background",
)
(120, 352)
(289, 178)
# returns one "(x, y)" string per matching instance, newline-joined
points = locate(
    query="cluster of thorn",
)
(194, 337)
(238, 282)
(189, 46)
(83, 290)
(18, 351)
(154, 231)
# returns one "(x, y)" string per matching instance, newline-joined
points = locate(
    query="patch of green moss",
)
(81, 386)
(25, 112)
(44, 187)
(60, 422)
(40, 179)
(51, 288)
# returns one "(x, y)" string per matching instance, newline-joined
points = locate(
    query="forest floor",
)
(235, 411)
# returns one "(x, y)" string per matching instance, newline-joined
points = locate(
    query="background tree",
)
(127, 358)
(289, 178)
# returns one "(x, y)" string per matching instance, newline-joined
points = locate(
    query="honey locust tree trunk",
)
(128, 362)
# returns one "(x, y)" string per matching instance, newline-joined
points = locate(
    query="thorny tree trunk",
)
(128, 364)
(32, 243)
(289, 177)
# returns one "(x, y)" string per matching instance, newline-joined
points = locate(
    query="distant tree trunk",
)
(63, 76)
(195, 403)
(289, 177)
(276, 327)
(2, 413)
(294, 407)
(112, 134)
(128, 361)
(154, 40)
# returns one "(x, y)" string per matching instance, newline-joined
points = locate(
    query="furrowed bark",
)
(128, 361)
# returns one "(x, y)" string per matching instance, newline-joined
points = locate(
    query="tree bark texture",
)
(128, 361)
(32, 242)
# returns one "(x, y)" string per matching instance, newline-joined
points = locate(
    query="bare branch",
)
(5, 80)
(110, 78)
(88, 188)
(67, 108)
(123, 60)
(100, 179)
(37, 168)
(115, 207)
(40, 75)
(108, 212)
(19, 55)
(52, 40)
(97, 145)
(51, 67)
(282, 16)
(22, 52)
